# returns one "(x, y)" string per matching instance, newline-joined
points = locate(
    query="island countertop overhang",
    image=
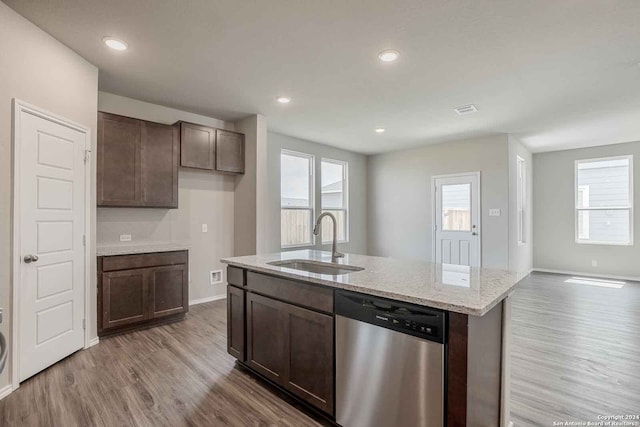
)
(467, 290)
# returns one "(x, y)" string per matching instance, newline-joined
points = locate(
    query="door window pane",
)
(456, 207)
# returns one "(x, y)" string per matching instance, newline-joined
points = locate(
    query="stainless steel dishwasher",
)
(389, 363)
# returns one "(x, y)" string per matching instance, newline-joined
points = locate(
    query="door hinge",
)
(84, 240)
(87, 155)
(84, 323)
(435, 227)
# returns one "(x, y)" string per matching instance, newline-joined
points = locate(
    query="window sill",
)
(582, 242)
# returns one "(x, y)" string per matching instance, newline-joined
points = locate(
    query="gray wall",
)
(399, 197)
(204, 198)
(357, 189)
(520, 255)
(554, 216)
(39, 70)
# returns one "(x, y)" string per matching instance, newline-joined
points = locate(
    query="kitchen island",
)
(284, 324)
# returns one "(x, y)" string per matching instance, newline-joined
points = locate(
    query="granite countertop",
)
(140, 249)
(462, 289)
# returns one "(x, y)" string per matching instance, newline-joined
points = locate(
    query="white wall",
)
(204, 198)
(251, 230)
(554, 216)
(357, 190)
(520, 255)
(399, 197)
(39, 70)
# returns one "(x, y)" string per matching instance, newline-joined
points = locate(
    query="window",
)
(296, 199)
(521, 199)
(334, 198)
(604, 201)
(456, 207)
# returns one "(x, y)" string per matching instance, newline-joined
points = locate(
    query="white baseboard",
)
(92, 342)
(207, 299)
(583, 274)
(5, 391)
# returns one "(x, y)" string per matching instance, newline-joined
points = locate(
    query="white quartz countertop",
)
(461, 289)
(139, 249)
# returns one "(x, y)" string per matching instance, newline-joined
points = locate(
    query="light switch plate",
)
(494, 212)
(205, 228)
(125, 237)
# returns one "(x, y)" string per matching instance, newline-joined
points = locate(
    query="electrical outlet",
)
(215, 277)
(494, 212)
(205, 228)
(125, 237)
(594, 263)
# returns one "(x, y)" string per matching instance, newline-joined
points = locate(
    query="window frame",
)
(345, 197)
(628, 208)
(311, 208)
(521, 200)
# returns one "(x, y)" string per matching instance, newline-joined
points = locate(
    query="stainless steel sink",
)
(317, 266)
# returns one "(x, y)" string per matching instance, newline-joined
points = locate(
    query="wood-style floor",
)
(173, 375)
(575, 352)
(576, 355)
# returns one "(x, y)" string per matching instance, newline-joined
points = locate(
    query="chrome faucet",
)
(316, 230)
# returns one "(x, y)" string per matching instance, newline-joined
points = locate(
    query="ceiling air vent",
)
(466, 109)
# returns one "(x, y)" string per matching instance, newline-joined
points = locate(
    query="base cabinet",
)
(236, 322)
(287, 344)
(141, 290)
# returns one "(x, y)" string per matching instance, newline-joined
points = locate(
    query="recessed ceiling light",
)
(466, 109)
(379, 130)
(283, 99)
(388, 55)
(115, 44)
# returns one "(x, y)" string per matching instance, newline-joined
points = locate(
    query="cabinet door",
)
(266, 336)
(235, 322)
(229, 151)
(124, 298)
(197, 146)
(168, 290)
(160, 150)
(118, 161)
(309, 370)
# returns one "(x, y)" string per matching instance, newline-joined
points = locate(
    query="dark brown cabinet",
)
(235, 322)
(288, 344)
(197, 146)
(229, 151)
(137, 163)
(206, 148)
(141, 290)
(309, 372)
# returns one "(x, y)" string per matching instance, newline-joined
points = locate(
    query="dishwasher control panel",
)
(422, 322)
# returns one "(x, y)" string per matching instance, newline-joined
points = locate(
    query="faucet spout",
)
(316, 230)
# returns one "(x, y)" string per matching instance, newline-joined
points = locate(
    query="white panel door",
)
(457, 226)
(51, 248)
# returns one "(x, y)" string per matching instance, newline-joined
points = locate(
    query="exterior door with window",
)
(457, 214)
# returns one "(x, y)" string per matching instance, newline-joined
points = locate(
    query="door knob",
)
(30, 258)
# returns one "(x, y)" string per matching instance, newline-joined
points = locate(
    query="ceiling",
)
(559, 74)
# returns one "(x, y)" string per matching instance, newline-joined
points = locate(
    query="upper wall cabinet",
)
(202, 147)
(197, 146)
(137, 163)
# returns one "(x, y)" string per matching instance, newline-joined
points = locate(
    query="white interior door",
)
(51, 196)
(457, 219)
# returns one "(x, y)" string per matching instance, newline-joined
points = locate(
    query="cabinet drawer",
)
(303, 294)
(235, 276)
(125, 262)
